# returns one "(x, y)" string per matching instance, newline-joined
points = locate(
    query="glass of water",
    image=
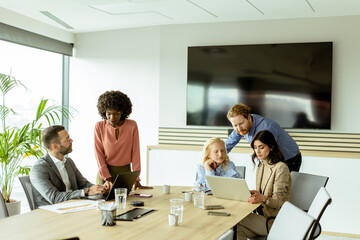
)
(177, 208)
(120, 197)
(199, 197)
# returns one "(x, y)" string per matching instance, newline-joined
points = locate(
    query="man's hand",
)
(139, 186)
(96, 189)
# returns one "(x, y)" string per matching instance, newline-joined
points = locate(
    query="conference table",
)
(196, 224)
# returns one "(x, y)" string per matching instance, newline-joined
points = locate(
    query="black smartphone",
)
(210, 207)
(213, 213)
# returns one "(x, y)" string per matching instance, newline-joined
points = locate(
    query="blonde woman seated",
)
(273, 185)
(216, 162)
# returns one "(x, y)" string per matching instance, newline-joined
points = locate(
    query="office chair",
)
(316, 210)
(303, 191)
(304, 188)
(3, 209)
(241, 170)
(228, 235)
(291, 223)
(27, 186)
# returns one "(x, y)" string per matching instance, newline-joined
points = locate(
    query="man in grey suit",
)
(55, 178)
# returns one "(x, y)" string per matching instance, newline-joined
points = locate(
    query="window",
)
(40, 71)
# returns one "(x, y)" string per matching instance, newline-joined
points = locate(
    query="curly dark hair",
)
(114, 100)
(268, 138)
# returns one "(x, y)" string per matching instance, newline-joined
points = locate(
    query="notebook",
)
(123, 180)
(229, 188)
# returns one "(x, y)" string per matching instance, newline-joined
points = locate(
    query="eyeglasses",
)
(66, 140)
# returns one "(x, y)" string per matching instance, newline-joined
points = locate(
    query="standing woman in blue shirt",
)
(247, 125)
(216, 162)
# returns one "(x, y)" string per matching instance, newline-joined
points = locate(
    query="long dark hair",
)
(266, 137)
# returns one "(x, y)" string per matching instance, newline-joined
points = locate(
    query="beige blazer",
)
(277, 187)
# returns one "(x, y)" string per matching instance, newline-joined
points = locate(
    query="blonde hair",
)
(238, 109)
(206, 151)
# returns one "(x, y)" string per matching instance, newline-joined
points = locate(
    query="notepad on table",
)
(73, 206)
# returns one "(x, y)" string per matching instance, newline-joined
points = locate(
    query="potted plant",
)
(18, 143)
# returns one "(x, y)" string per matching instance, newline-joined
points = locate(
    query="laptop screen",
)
(123, 180)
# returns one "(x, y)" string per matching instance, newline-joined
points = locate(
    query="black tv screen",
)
(289, 83)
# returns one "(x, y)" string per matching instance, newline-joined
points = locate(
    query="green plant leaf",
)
(18, 143)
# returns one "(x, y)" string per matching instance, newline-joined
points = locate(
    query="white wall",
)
(125, 60)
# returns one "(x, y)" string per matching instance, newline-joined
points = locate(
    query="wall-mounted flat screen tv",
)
(289, 83)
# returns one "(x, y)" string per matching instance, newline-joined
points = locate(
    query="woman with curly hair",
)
(116, 138)
(273, 185)
(216, 162)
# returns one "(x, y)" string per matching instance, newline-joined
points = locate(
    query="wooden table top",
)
(196, 224)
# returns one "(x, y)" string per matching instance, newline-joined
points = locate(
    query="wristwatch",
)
(267, 201)
(86, 191)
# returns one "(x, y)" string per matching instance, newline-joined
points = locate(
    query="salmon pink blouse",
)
(116, 152)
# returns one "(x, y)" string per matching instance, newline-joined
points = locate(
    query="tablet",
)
(134, 214)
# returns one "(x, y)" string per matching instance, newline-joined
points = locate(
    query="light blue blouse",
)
(230, 171)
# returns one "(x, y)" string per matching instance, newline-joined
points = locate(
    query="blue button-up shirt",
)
(230, 171)
(286, 143)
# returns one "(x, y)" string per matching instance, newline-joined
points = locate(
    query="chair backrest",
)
(317, 208)
(27, 186)
(241, 170)
(3, 209)
(304, 188)
(290, 223)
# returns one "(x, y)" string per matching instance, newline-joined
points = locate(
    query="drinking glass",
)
(177, 208)
(120, 197)
(199, 197)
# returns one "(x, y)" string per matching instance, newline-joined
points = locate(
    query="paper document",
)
(73, 206)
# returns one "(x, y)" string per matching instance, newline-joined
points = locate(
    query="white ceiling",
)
(98, 15)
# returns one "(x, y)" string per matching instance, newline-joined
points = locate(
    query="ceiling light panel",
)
(228, 10)
(285, 9)
(336, 7)
(56, 19)
(152, 6)
(141, 1)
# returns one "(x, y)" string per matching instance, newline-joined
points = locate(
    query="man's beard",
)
(65, 150)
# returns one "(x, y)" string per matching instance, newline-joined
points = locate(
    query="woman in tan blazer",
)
(273, 185)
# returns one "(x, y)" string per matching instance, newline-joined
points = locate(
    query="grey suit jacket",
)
(48, 187)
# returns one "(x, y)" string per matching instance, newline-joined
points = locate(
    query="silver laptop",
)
(229, 188)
